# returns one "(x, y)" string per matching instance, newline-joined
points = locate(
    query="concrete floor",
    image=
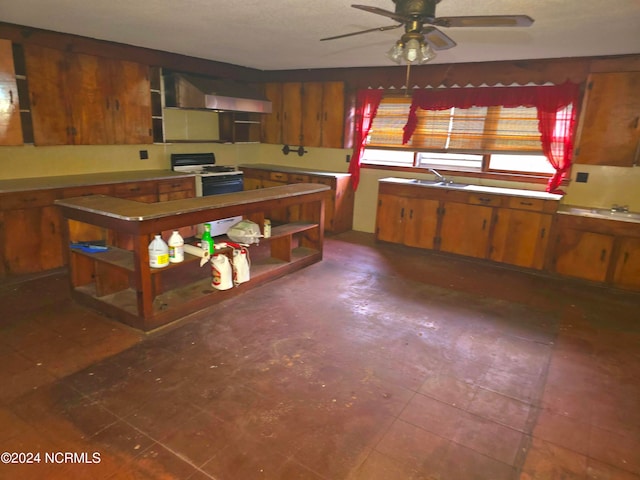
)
(380, 362)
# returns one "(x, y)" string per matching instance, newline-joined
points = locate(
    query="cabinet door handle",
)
(402, 213)
(411, 214)
(484, 224)
(626, 257)
(11, 97)
(484, 200)
(603, 255)
(543, 232)
(526, 204)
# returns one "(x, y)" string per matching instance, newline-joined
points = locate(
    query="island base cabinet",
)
(121, 283)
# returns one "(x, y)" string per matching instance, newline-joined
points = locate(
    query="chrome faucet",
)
(437, 174)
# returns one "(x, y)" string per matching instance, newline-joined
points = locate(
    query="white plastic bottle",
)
(222, 272)
(158, 253)
(176, 247)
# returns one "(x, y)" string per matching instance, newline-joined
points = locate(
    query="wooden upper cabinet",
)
(51, 117)
(312, 114)
(309, 114)
(87, 100)
(333, 115)
(272, 122)
(292, 113)
(609, 132)
(10, 127)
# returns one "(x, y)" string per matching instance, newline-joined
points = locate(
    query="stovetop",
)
(200, 164)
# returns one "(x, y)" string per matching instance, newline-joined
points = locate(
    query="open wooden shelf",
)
(121, 283)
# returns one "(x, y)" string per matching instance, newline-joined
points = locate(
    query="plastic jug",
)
(221, 271)
(240, 265)
(176, 247)
(158, 253)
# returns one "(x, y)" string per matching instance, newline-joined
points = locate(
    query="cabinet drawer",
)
(482, 199)
(84, 191)
(31, 199)
(298, 178)
(330, 182)
(535, 204)
(134, 189)
(278, 176)
(255, 173)
(176, 185)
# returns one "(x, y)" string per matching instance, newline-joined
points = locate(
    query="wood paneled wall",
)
(537, 71)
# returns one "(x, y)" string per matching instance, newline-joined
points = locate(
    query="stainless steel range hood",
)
(198, 92)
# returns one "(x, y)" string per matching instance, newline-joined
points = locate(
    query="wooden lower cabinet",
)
(502, 228)
(626, 271)
(31, 240)
(31, 226)
(410, 221)
(583, 254)
(339, 199)
(520, 238)
(465, 229)
(599, 250)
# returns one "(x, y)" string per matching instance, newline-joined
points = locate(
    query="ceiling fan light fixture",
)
(395, 52)
(412, 50)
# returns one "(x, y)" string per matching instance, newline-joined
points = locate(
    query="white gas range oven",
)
(211, 179)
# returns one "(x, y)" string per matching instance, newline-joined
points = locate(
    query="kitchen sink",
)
(438, 183)
(601, 213)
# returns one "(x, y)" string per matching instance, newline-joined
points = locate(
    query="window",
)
(489, 139)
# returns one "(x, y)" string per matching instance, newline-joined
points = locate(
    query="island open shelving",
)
(122, 284)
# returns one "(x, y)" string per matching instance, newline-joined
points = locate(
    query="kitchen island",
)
(122, 284)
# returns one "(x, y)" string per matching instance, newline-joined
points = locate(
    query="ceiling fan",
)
(420, 24)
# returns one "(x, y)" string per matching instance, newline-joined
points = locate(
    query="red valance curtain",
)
(367, 103)
(556, 134)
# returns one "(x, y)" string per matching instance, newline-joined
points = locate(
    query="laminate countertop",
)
(132, 211)
(514, 192)
(281, 168)
(15, 185)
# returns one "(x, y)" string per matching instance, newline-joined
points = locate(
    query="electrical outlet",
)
(582, 177)
(144, 154)
(348, 158)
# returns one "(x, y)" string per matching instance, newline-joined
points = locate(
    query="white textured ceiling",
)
(285, 34)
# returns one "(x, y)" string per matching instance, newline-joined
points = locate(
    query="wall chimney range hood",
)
(190, 91)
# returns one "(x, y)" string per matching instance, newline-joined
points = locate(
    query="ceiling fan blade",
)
(485, 21)
(381, 11)
(379, 29)
(437, 39)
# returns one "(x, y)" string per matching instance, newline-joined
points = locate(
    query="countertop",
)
(129, 210)
(600, 213)
(68, 181)
(280, 168)
(515, 192)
